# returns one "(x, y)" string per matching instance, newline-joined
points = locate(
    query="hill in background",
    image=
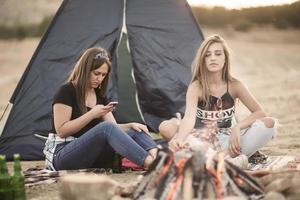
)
(30, 18)
(26, 12)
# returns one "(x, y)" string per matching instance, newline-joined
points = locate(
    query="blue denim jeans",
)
(96, 147)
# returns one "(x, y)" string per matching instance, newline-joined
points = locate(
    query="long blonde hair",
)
(199, 70)
(80, 76)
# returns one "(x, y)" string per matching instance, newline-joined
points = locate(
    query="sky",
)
(230, 4)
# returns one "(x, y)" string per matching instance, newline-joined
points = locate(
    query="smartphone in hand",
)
(113, 103)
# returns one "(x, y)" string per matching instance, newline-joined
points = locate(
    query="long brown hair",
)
(199, 70)
(80, 76)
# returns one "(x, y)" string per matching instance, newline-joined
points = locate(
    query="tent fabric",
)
(77, 26)
(127, 109)
(163, 37)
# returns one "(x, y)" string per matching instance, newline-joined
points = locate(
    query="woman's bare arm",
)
(250, 102)
(126, 127)
(242, 92)
(63, 124)
(188, 122)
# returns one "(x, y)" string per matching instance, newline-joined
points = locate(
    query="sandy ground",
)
(266, 60)
(52, 191)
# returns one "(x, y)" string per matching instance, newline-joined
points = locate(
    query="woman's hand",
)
(234, 142)
(100, 110)
(139, 127)
(176, 144)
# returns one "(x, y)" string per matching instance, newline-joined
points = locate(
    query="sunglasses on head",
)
(102, 55)
(219, 105)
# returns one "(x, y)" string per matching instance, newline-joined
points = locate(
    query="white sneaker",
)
(241, 161)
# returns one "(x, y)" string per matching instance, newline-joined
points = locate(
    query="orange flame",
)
(217, 174)
(180, 166)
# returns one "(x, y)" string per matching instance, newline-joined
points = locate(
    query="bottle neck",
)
(3, 167)
(17, 169)
(17, 164)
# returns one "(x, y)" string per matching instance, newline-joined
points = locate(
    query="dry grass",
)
(14, 57)
(14, 12)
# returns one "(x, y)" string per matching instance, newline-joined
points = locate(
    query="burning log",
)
(193, 174)
(197, 172)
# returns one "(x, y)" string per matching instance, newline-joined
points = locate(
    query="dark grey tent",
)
(163, 37)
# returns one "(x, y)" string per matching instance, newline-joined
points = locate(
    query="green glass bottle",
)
(18, 180)
(117, 163)
(5, 181)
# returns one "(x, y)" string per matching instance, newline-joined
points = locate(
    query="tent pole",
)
(4, 116)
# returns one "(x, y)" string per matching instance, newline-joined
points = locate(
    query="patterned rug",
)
(36, 176)
(277, 163)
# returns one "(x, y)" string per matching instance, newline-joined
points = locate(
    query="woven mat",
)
(278, 163)
(36, 176)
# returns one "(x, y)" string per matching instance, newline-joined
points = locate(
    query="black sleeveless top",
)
(220, 109)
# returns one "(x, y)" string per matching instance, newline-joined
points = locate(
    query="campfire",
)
(195, 174)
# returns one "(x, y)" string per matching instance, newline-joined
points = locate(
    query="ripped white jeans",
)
(252, 139)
